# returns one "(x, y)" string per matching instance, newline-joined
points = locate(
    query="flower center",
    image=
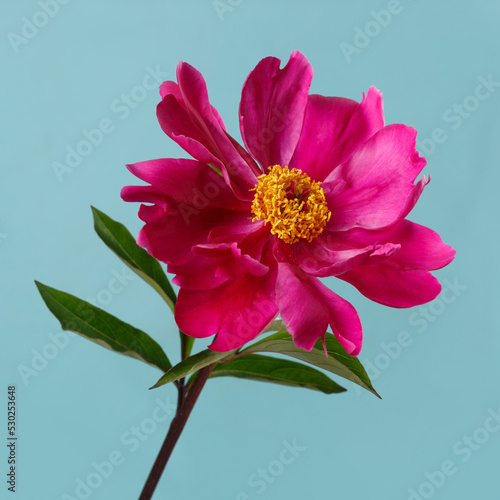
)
(292, 203)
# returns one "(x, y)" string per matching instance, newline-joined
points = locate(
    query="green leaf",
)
(102, 328)
(187, 343)
(191, 365)
(118, 238)
(338, 361)
(275, 326)
(279, 371)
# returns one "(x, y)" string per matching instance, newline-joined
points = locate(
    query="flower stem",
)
(184, 408)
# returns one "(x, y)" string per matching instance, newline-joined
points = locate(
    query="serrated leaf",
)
(118, 238)
(103, 328)
(338, 361)
(191, 365)
(278, 371)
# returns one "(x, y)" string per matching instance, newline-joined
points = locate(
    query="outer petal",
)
(188, 181)
(403, 280)
(332, 254)
(307, 307)
(168, 87)
(375, 187)
(146, 194)
(333, 129)
(421, 247)
(388, 284)
(272, 108)
(186, 115)
(190, 200)
(237, 311)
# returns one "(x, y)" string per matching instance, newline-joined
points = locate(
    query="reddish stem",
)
(184, 408)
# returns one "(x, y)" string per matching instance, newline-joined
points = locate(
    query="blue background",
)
(80, 403)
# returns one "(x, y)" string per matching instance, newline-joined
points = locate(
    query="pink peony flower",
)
(322, 189)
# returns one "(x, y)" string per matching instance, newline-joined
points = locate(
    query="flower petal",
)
(388, 284)
(375, 187)
(235, 232)
(272, 108)
(197, 274)
(404, 280)
(187, 181)
(186, 115)
(146, 194)
(169, 87)
(214, 265)
(333, 129)
(421, 247)
(332, 254)
(307, 306)
(237, 311)
(231, 261)
(190, 200)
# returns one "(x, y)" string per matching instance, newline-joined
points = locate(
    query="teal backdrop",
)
(88, 426)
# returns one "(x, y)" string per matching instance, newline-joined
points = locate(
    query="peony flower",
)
(322, 189)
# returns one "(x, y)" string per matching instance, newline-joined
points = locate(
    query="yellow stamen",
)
(292, 203)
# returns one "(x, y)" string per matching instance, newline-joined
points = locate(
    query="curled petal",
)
(185, 181)
(404, 280)
(146, 194)
(332, 254)
(421, 247)
(186, 115)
